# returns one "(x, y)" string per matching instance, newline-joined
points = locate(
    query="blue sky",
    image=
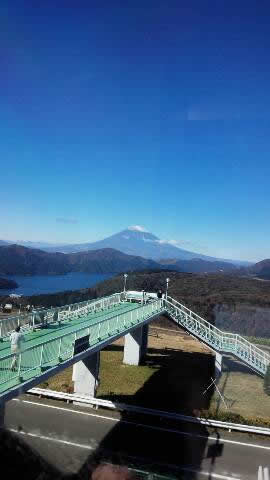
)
(150, 113)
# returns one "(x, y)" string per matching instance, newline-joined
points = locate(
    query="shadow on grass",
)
(177, 383)
(152, 443)
(232, 364)
(230, 396)
(155, 444)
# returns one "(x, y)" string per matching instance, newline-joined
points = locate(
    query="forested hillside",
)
(234, 303)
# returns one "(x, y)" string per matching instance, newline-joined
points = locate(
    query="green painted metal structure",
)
(216, 339)
(44, 349)
(48, 350)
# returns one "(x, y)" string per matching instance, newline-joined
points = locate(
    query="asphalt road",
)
(70, 438)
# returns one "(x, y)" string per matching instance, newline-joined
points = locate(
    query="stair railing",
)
(216, 338)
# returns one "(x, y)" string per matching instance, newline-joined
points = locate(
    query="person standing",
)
(16, 340)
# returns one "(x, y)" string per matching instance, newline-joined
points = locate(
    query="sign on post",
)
(81, 344)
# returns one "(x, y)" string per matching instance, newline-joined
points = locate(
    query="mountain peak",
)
(137, 228)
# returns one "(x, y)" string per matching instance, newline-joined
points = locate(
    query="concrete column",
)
(135, 345)
(218, 365)
(145, 329)
(86, 374)
(2, 414)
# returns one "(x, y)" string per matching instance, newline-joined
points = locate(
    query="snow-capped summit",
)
(135, 240)
(137, 228)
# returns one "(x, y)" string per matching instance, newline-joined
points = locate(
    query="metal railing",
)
(102, 403)
(43, 317)
(216, 338)
(139, 296)
(34, 360)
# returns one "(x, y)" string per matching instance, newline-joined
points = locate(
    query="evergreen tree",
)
(266, 385)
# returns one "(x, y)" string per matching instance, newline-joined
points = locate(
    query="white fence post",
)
(75, 338)
(19, 369)
(41, 355)
(59, 349)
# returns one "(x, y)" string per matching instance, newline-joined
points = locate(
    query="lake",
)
(40, 284)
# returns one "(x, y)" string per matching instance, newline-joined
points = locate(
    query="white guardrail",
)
(43, 317)
(72, 397)
(219, 340)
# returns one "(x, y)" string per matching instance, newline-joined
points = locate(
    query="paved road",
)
(69, 437)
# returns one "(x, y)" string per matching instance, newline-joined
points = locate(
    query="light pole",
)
(167, 285)
(125, 280)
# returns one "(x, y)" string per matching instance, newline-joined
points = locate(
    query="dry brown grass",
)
(119, 379)
(173, 365)
(243, 392)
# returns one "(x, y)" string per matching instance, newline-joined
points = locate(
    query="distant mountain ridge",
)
(198, 265)
(261, 269)
(30, 244)
(16, 259)
(4, 242)
(137, 241)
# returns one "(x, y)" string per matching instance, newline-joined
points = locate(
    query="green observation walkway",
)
(59, 337)
(52, 338)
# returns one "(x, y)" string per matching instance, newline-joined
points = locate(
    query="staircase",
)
(218, 340)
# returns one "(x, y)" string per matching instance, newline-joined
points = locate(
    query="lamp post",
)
(125, 280)
(167, 285)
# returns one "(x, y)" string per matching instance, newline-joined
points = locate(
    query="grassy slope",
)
(174, 375)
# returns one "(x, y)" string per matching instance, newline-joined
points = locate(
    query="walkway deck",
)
(54, 331)
(50, 349)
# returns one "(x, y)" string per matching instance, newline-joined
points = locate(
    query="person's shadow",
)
(215, 450)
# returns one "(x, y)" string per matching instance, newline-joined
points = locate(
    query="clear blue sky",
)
(152, 113)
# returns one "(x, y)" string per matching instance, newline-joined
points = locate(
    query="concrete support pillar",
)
(145, 329)
(86, 374)
(218, 365)
(135, 345)
(2, 414)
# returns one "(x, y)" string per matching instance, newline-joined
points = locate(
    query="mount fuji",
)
(135, 240)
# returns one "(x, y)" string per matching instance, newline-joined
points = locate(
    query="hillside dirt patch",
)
(162, 338)
(242, 390)
(173, 376)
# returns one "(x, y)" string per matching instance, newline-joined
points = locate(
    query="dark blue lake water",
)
(38, 284)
